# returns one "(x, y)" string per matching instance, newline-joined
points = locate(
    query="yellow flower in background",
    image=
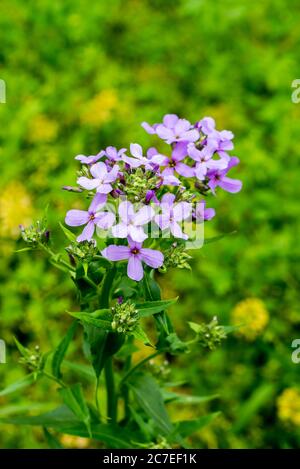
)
(288, 406)
(15, 209)
(99, 109)
(75, 442)
(42, 129)
(252, 315)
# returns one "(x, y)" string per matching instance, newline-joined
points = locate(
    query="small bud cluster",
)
(125, 317)
(36, 234)
(33, 360)
(176, 256)
(138, 184)
(161, 443)
(160, 371)
(211, 335)
(86, 250)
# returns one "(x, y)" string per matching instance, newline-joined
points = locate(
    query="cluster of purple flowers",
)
(175, 185)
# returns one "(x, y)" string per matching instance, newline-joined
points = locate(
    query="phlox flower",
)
(202, 213)
(138, 159)
(135, 254)
(132, 222)
(92, 159)
(174, 163)
(173, 129)
(172, 214)
(204, 161)
(102, 178)
(113, 154)
(219, 178)
(91, 218)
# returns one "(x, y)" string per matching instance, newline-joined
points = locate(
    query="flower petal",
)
(182, 211)
(230, 185)
(76, 217)
(99, 170)
(135, 268)
(170, 120)
(152, 257)
(98, 202)
(137, 233)
(116, 253)
(144, 215)
(120, 230)
(87, 233)
(87, 183)
(105, 220)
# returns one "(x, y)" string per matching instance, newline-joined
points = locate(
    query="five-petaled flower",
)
(172, 214)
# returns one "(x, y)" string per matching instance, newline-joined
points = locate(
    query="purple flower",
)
(139, 159)
(206, 125)
(102, 178)
(113, 154)
(202, 213)
(135, 254)
(172, 214)
(90, 159)
(91, 218)
(173, 129)
(204, 161)
(132, 222)
(175, 162)
(219, 178)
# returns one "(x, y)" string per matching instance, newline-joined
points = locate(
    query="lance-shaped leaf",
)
(63, 420)
(73, 398)
(69, 235)
(185, 398)
(188, 427)
(100, 318)
(148, 395)
(139, 334)
(61, 350)
(152, 307)
(17, 385)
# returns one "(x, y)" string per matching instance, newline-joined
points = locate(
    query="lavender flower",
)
(90, 159)
(91, 218)
(135, 254)
(113, 154)
(204, 161)
(132, 222)
(175, 162)
(102, 178)
(202, 213)
(219, 178)
(173, 129)
(140, 160)
(172, 214)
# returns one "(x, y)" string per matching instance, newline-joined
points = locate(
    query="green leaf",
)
(73, 397)
(101, 318)
(84, 371)
(185, 398)
(148, 396)
(188, 427)
(195, 327)
(261, 397)
(17, 385)
(63, 420)
(152, 307)
(25, 352)
(51, 440)
(71, 236)
(139, 334)
(102, 345)
(61, 350)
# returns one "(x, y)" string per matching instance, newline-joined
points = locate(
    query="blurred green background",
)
(81, 76)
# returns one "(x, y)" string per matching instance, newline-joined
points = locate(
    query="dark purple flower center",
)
(92, 216)
(135, 251)
(172, 164)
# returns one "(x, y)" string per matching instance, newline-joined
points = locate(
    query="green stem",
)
(53, 378)
(104, 299)
(110, 390)
(138, 365)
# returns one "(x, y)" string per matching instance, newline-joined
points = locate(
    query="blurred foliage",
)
(82, 76)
